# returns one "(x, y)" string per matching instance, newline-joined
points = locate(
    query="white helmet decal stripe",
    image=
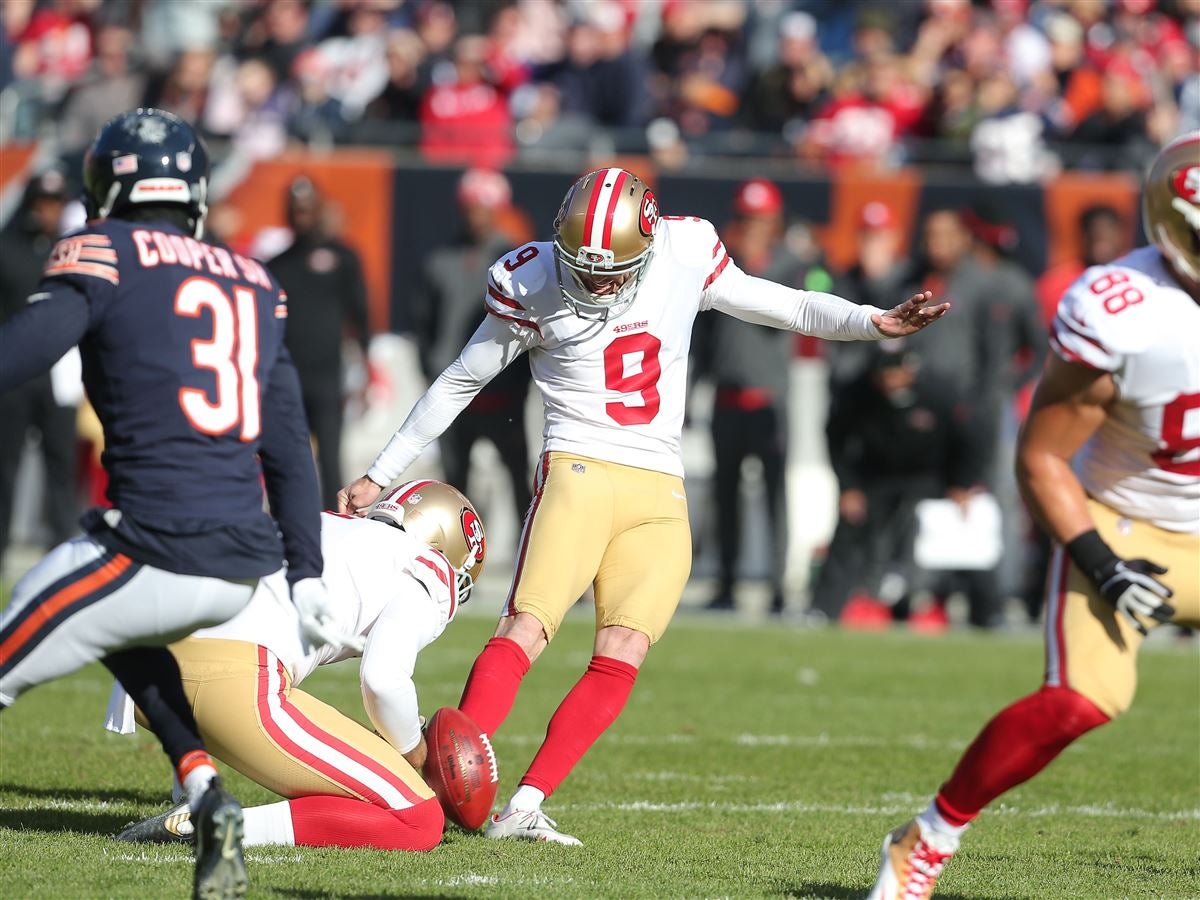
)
(604, 203)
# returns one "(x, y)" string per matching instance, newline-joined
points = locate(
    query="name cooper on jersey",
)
(155, 248)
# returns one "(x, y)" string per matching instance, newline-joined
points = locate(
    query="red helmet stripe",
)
(622, 177)
(408, 490)
(597, 187)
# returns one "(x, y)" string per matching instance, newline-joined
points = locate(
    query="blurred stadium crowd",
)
(1016, 88)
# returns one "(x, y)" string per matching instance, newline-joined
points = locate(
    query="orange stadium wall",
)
(14, 163)
(358, 182)
(394, 213)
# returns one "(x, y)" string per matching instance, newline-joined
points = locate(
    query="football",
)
(461, 767)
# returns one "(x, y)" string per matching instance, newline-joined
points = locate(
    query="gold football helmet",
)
(603, 242)
(439, 515)
(1171, 205)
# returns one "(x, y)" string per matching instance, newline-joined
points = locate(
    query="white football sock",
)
(931, 821)
(526, 798)
(195, 783)
(270, 824)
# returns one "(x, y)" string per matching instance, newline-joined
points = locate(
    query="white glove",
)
(317, 624)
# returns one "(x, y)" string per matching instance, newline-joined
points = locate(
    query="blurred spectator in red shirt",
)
(1104, 237)
(869, 113)
(466, 120)
(55, 46)
(509, 68)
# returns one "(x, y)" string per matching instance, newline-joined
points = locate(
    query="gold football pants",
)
(252, 719)
(1090, 647)
(620, 529)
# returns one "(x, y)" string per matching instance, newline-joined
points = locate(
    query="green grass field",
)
(751, 761)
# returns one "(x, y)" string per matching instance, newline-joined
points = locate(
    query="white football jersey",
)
(613, 390)
(370, 566)
(1132, 319)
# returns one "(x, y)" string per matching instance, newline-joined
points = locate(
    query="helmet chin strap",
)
(114, 191)
(202, 210)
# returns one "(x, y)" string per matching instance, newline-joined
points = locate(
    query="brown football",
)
(461, 767)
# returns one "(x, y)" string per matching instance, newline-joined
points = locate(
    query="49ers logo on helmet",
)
(649, 214)
(473, 532)
(1186, 183)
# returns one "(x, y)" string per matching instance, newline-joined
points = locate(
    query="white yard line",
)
(823, 739)
(916, 741)
(889, 809)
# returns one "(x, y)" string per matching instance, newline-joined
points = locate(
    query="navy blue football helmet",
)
(146, 156)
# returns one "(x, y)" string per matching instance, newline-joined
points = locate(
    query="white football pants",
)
(84, 601)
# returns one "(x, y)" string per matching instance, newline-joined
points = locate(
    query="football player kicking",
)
(606, 311)
(1121, 397)
(183, 360)
(396, 580)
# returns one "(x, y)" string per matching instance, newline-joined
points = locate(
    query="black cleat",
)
(220, 867)
(171, 827)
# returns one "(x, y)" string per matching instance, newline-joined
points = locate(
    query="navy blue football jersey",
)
(183, 360)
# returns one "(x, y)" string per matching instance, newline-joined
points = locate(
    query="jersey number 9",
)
(643, 382)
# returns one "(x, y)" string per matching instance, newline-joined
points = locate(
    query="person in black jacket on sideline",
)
(897, 435)
(326, 297)
(25, 244)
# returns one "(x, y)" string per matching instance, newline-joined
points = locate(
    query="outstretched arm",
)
(36, 338)
(492, 347)
(822, 315)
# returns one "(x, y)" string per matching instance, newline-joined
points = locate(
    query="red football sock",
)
(344, 822)
(591, 706)
(1017, 744)
(492, 685)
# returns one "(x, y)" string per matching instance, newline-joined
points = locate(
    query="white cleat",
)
(528, 825)
(910, 864)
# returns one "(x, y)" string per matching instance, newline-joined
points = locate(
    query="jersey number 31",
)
(231, 353)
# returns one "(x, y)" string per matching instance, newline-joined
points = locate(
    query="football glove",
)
(1128, 584)
(317, 624)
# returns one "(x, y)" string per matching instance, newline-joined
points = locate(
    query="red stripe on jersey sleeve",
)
(717, 271)
(1070, 355)
(503, 299)
(522, 322)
